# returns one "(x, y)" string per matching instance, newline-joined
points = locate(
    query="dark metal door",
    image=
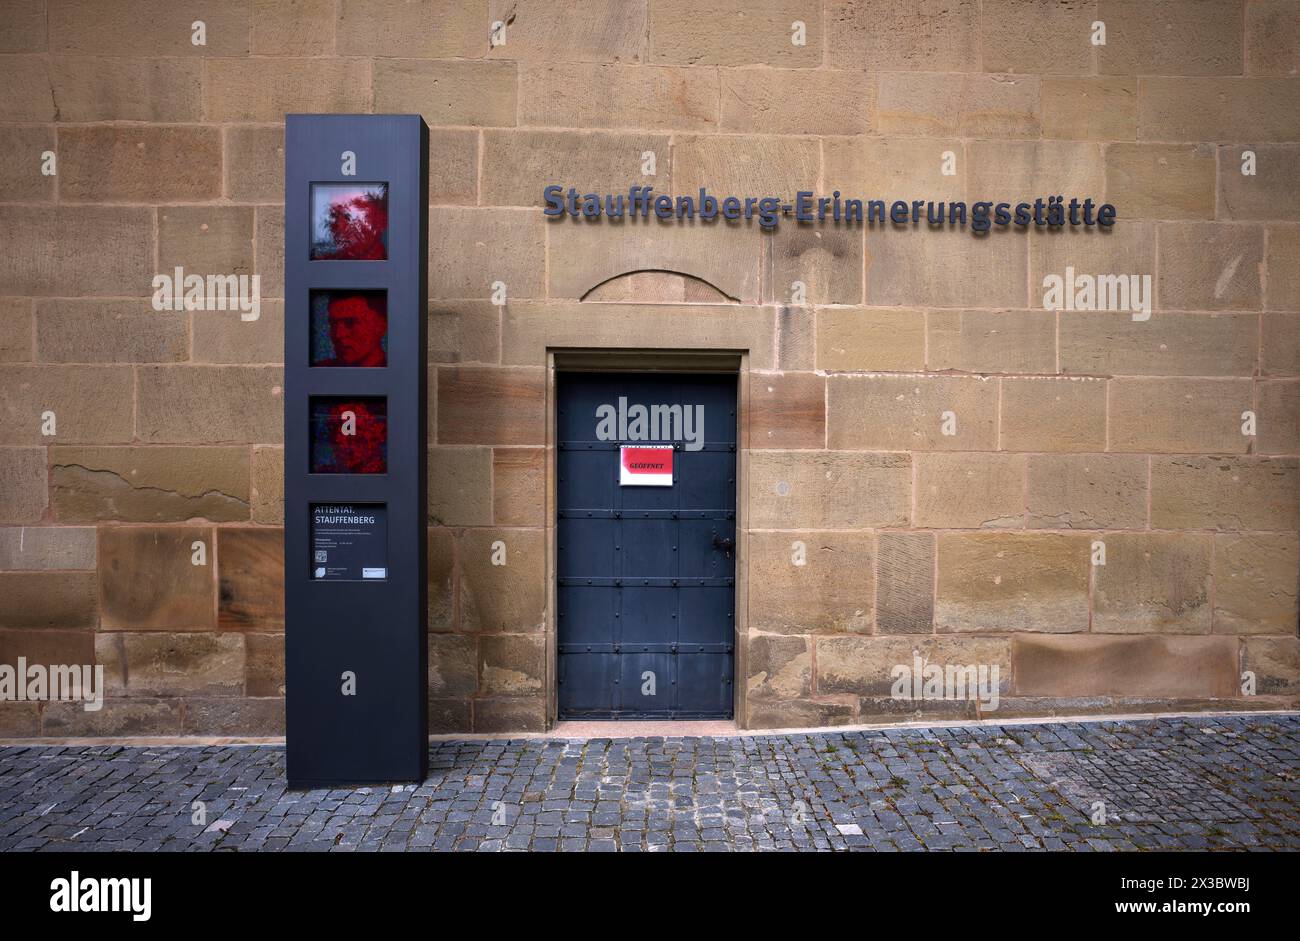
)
(646, 593)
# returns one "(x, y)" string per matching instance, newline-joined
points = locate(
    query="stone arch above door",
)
(657, 286)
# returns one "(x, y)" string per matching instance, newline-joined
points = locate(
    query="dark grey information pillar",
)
(355, 258)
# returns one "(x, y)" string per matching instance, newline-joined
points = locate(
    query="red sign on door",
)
(646, 467)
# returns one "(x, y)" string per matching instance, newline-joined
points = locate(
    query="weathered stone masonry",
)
(1073, 426)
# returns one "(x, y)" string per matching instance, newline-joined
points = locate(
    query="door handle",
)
(726, 544)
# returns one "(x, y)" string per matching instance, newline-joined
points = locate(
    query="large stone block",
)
(269, 225)
(254, 158)
(267, 88)
(267, 493)
(85, 330)
(59, 250)
(210, 404)
(119, 718)
(1090, 107)
(1255, 583)
(16, 330)
(250, 579)
(149, 485)
(991, 341)
(799, 714)
(453, 167)
(452, 716)
(743, 166)
(787, 410)
(1218, 109)
(148, 580)
(471, 250)
(970, 490)
(301, 28)
(910, 266)
(442, 579)
(264, 664)
(779, 668)
(48, 600)
(1127, 249)
(592, 95)
(491, 405)
(600, 30)
(1053, 414)
(35, 548)
(811, 583)
(1020, 36)
(1012, 170)
(797, 101)
(1170, 37)
(110, 88)
(1225, 493)
(518, 486)
(1003, 582)
(1181, 416)
(906, 413)
(139, 164)
(1180, 344)
(894, 35)
(48, 646)
(1148, 667)
(464, 332)
(24, 485)
(828, 490)
(1272, 37)
(147, 27)
(29, 97)
(162, 665)
(25, 26)
(453, 666)
(225, 337)
(865, 339)
(419, 28)
(1153, 583)
(866, 666)
(512, 665)
(817, 265)
(1272, 192)
(235, 717)
(90, 404)
(460, 486)
(891, 168)
(479, 94)
(1161, 181)
(519, 165)
(502, 576)
(686, 32)
(206, 240)
(583, 256)
(943, 104)
(905, 583)
(1280, 353)
(1275, 661)
(1086, 491)
(1279, 417)
(1283, 263)
(520, 714)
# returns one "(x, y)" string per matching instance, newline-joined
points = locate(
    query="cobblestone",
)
(1168, 783)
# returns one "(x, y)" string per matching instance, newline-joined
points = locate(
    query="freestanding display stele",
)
(356, 243)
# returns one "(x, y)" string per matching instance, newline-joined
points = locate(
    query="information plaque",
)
(355, 420)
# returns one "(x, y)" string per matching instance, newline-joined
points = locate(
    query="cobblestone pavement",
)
(1174, 783)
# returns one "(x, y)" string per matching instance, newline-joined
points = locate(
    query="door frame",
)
(618, 361)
